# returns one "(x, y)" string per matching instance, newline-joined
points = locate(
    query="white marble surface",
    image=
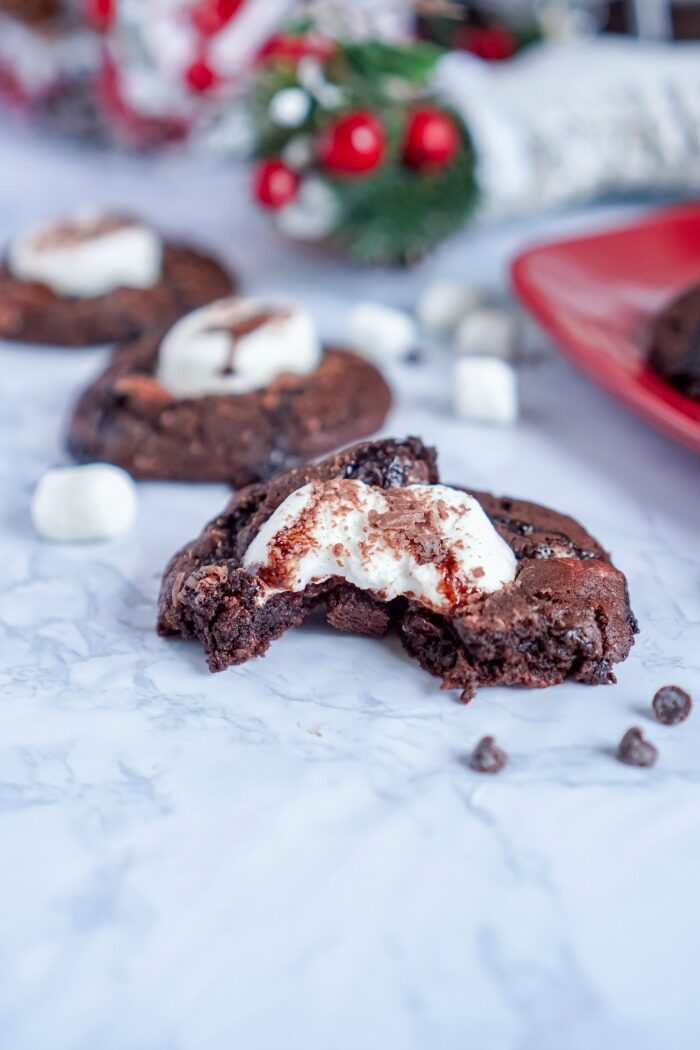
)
(294, 854)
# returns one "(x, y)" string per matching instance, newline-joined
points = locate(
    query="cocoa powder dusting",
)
(406, 526)
(70, 233)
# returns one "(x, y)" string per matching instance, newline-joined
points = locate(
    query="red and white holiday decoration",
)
(274, 184)
(38, 62)
(169, 61)
(432, 139)
(99, 14)
(353, 144)
(295, 47)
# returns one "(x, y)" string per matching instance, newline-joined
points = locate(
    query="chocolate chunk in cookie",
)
(481, 590)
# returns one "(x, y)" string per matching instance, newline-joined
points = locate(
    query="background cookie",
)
(33, 311)
(675, 343)
(129, 418)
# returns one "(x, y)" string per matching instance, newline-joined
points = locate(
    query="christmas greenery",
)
(394, 202)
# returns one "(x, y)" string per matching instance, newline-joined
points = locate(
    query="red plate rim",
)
(655, 401)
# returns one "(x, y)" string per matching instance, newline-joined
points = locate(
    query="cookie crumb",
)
(634, 750)
(672, 705)
(487, 757)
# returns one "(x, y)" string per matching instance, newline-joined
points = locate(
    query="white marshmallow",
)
(289, 107)
(76, 257)
(487, 332)
(200, 356)
(485, 390)
(356, 531)
(379, 331)
(94, 502)
(445, 303)
(313, 214)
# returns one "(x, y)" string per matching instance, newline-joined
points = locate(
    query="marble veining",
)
(295, 853)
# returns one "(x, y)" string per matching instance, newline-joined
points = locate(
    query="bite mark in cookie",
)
(563, 612)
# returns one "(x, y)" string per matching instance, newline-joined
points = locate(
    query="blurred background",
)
(554, 101)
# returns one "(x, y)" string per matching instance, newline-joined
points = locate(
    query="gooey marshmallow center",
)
(432, 543)
(88, 254)
(234, 346)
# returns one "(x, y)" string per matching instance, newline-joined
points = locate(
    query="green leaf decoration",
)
(375, 58)
(394, 218)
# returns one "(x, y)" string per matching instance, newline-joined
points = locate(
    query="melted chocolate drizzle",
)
(245, 326)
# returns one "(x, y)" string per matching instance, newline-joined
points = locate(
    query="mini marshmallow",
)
(379, 331)
(485, 390)
(74, 504)
(487, 332)
(88, 254)
(234, 346)
(445, 303)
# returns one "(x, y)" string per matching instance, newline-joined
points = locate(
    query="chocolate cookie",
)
(133, 282)
(675, 343)
(127, 417)
(563, 610)
(32, 10)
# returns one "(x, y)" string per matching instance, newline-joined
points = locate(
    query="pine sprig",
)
(376, 59)
(395, 214)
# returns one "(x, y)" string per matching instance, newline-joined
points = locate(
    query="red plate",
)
(595, 296)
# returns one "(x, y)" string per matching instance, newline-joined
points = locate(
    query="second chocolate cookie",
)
(234, 392)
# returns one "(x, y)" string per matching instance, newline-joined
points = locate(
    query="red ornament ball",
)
(200, 76)
(274, 184)
(432, 139)
(353, 145)
(99, 13)
(290, 48)
(210, 16)
(492, 43)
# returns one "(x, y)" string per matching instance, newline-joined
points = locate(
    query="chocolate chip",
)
(634, 750)
(672, 705)
(487, 757)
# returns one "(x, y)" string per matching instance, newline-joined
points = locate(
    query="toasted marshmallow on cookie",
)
(235, 346)
(88, 254)
(429, 543)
